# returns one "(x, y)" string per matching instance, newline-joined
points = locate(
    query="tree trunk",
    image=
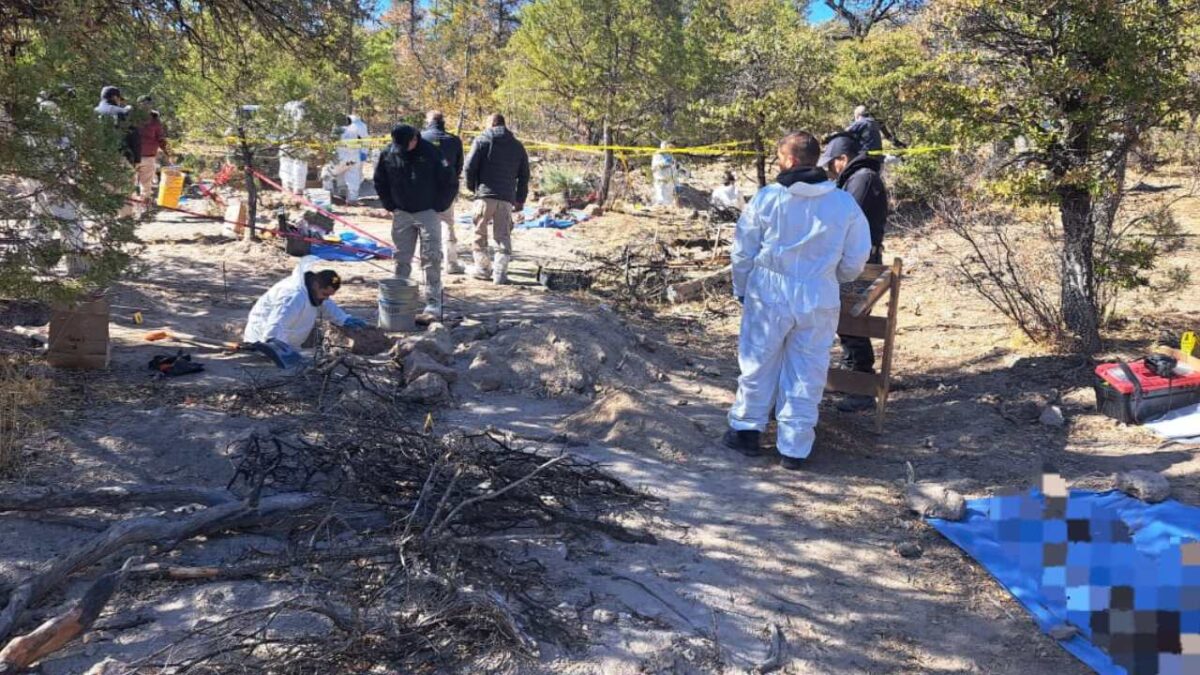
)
(760, 161)
(251, 184)
(609, 163)
(1080, 313)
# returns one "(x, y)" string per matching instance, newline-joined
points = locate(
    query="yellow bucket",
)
(170, 187)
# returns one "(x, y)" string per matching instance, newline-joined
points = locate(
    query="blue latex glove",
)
(281, 353)
(355, 322)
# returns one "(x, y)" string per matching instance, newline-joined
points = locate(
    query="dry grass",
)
(22, 395)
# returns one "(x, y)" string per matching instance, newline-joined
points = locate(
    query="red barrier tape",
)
(336, 217)
(268, 230)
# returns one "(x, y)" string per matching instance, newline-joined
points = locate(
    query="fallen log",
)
(696, 289)
(145, 529)
(55, 633)
(112, 496)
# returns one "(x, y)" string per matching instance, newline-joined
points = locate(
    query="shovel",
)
(157, 335)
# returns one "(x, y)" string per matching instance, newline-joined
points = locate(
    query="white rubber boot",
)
(433, 307)
(452, 265)
(482, 269)
(500, 268)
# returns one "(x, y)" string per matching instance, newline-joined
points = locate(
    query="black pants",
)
(857, 352)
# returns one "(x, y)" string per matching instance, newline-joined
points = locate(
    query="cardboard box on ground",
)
(79, 335)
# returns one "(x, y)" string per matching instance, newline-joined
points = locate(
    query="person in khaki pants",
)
(498, 175)
(452, 151)
(151, 138)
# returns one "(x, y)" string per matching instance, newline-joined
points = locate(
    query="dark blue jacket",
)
(498, 167)
(861, 179)
(450, 145)
(413, 180)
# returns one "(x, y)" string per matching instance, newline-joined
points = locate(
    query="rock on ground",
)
(436, 341)
(1052, 416)
(934, 501)
(428, 388)
(1147, 486)
(419, 363)
(490, 372)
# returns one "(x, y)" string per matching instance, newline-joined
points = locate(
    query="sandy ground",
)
(743, 545)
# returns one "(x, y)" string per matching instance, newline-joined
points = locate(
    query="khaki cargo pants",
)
(499, 213)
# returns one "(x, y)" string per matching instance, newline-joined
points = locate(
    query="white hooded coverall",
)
(350, 158)
(285, 312)
(663, 168)
(293, 167)
(792, 247)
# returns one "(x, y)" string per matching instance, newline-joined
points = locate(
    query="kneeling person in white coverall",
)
(797, 239)
(288, 312)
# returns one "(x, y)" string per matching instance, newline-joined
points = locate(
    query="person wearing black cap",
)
(290, 309)
(452, 151)
(415, 182)
(857, 172)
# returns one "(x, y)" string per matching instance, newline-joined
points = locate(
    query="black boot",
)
(745, 442)
(791, 463)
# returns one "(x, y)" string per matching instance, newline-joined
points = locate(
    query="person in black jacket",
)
(857, 172)
(414, 183)
(452, 151)
(498, 174)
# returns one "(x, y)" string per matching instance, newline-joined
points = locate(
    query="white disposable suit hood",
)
(285, 313)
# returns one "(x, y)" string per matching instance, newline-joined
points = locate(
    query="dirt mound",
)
(573, 356)
(634, 422)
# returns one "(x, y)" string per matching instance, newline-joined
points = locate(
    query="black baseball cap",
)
(836, 146)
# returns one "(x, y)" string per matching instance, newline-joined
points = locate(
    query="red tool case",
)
(1130, 393)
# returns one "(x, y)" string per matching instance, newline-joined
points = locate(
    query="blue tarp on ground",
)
(1125, 573)
(366, 249)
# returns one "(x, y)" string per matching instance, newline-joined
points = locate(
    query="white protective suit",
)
(285, 312)
(727, 197)
(792, 247)
(664, 170)
(348, 170)
(293, 165)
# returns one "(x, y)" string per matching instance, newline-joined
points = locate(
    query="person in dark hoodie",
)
(498, 174)
(795, 241)
(452, 151)
(857, 172)
(414, 183)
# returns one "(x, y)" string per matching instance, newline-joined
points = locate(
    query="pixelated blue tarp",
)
(1130, 543)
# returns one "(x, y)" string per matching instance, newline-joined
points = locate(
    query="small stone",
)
(1052, 416)
(934, 501)
(489, 372)
(1147, 486)
(909, 549)
(436, 341)
(681, 402)
(604, 616)
(593, 210)
(419, 363)
(1063, 631)
(428, 388)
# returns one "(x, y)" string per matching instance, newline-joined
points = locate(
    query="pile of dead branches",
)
(406, 551)
(642, 273)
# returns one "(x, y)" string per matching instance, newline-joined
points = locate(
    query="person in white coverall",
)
(796, 241)
(347, 169)
(290, 309)
(664, 170)
(293, 162)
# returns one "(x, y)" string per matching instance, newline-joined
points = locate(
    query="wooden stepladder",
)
(856, 320)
